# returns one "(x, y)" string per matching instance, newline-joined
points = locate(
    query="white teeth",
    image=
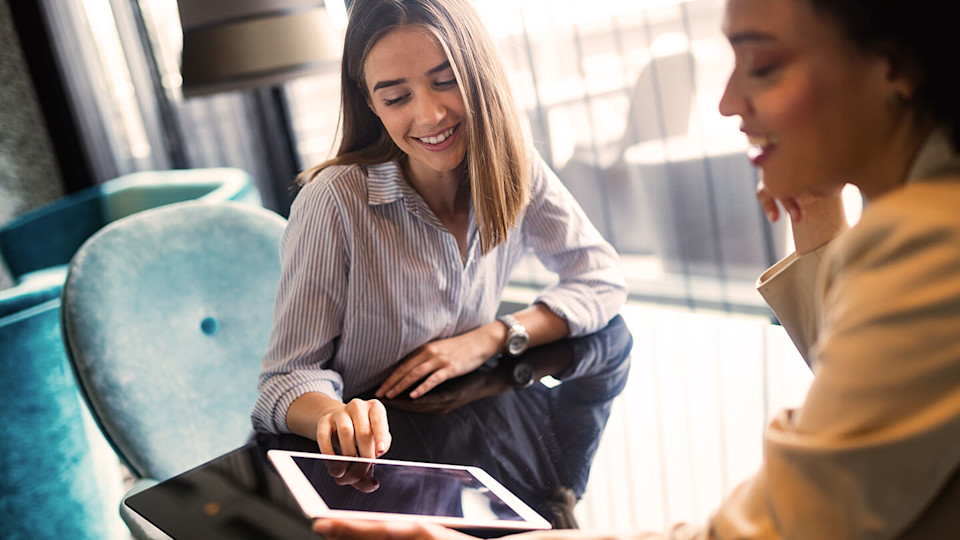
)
(439, 138)
(758, 145)
(761, 141)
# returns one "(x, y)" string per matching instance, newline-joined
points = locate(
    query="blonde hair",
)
(497, 160)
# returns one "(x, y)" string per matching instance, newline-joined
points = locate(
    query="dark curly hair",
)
(916, 36)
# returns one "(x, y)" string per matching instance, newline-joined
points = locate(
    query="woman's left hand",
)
(337, 529)
(439, 361)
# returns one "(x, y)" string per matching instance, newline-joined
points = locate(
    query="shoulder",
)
(916, 217)
(906, 242)
(542, 177)
(334, 186)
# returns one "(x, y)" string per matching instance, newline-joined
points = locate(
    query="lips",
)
(438, 138)
(760, 147)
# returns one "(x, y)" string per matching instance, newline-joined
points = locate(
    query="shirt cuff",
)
(275, 419)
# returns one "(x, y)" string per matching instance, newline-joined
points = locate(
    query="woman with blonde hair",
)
(399, 248)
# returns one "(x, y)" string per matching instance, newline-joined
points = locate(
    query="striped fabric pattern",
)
(370, 274)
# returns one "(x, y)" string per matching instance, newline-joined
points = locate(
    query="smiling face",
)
(415, 94)
(818, 111)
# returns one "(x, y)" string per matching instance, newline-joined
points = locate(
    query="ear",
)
(901, 77)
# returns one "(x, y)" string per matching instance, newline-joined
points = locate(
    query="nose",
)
(733, 101)
(430, 110)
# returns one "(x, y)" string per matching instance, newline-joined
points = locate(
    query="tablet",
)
(388, 490)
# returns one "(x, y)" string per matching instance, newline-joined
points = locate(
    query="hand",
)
(338, 529)
(360, 427)
(796, 206)
(456, 393)
(438, 361)
(815, 219)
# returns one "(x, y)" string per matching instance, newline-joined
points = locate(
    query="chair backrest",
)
(662, 99)
(166, 315)
(50, 235)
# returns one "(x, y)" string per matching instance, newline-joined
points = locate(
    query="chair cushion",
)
(166, 315)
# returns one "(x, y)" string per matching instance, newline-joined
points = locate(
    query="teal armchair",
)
(166, 317)
(50, 483)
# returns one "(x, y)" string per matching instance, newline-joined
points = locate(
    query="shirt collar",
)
(385, 183)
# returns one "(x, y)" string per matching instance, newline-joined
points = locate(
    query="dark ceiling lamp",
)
(243, 44)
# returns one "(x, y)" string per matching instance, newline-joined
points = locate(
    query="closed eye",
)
(396, 101)
(763, 71)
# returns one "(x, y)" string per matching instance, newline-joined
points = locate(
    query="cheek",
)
(791, 108)
(394, 127)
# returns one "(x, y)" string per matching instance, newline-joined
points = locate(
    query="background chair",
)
(49, 236)
(166, 315)
(58, 476)
(660, 103)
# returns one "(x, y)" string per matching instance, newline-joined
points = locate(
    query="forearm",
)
(305, 412)
(542, 325)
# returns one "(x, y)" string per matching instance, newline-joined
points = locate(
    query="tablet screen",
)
(384, 489)
(406, 489)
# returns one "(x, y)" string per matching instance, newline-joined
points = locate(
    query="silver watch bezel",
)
(518, 340)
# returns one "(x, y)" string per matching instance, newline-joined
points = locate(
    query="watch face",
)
(517, 344)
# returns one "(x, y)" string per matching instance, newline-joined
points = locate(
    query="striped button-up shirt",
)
(370, 274)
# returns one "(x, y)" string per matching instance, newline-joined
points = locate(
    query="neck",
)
(444, 192)
(891, 168)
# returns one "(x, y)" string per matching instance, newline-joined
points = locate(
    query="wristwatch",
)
(517, 338)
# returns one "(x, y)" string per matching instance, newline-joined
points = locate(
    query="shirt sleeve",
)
(789, 288)
(309, 310)
(874, 449)
(591, 287)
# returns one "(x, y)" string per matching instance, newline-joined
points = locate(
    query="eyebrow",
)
(747, 37)
(394, 82)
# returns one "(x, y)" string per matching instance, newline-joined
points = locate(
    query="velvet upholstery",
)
(42, 287)
(58, 476)
(166, 315)
(50, 235)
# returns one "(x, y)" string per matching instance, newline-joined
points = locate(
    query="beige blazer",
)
(874, 451)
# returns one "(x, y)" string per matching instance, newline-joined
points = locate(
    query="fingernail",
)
(414, 395)
(770, 216)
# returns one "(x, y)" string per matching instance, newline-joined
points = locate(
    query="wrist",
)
(517, 339)
(823, 220)
(495, 338)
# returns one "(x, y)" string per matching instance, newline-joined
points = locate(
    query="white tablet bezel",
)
(313, 505)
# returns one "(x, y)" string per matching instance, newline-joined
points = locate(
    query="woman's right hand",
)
(357, 428)
(815, 219)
